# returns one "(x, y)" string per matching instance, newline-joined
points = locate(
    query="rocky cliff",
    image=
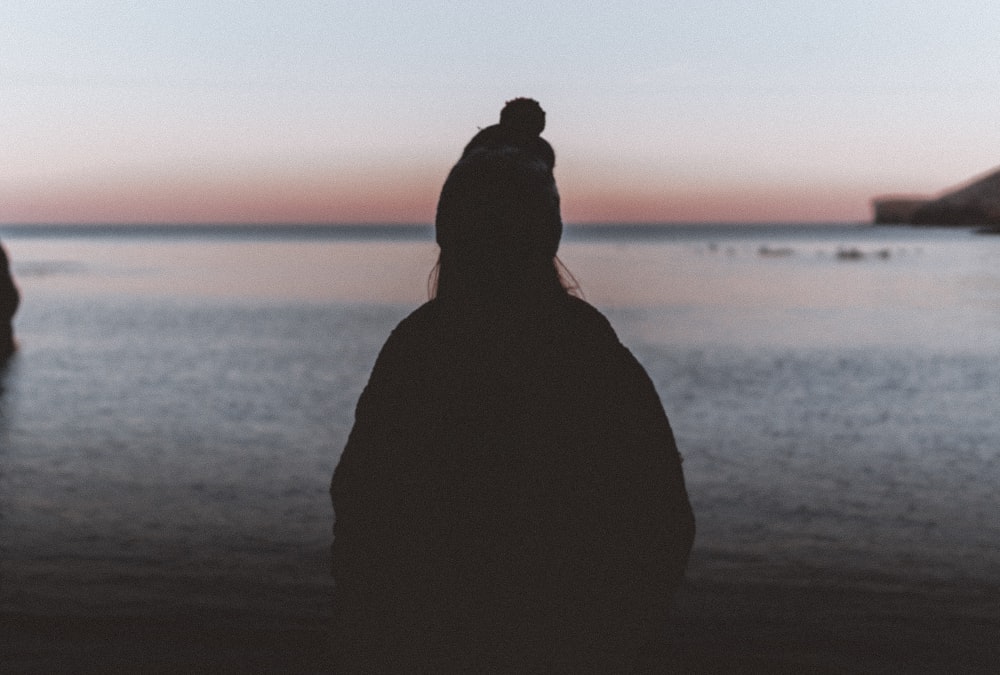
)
(974, 203)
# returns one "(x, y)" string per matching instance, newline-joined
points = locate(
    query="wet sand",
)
(772, 628)
(720, 627)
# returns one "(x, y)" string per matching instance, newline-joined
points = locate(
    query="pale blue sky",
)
(695, 110)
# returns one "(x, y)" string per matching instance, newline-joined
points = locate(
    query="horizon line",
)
(333, 224)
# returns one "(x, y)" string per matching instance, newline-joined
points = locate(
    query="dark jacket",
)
(510, 498)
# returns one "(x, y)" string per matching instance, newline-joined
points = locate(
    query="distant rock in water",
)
(9, 300)
(975, 203)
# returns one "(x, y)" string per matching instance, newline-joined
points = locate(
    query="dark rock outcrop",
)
(896, 210)
(975, 203)
(9, 300)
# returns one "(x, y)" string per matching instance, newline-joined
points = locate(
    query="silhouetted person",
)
(9, 300)
(510, 498)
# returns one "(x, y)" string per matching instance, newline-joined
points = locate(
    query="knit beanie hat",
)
(501, 197)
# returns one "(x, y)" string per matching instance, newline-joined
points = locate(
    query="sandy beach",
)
(719, 627)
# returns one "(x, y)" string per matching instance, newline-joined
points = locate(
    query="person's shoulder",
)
(424, 314)
(417, 323)
(584, 317)
(409, 341)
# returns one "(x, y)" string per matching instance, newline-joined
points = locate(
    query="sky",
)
(327, 111)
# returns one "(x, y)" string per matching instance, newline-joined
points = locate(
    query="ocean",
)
(170, 424)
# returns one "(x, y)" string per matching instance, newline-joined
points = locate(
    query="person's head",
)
(498, 222)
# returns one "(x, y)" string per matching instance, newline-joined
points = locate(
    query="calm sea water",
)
(169, 428)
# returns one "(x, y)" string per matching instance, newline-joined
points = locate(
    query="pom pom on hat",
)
(523, 114)
(521, 122)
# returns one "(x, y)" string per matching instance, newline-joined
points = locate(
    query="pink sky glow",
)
(388, 196)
